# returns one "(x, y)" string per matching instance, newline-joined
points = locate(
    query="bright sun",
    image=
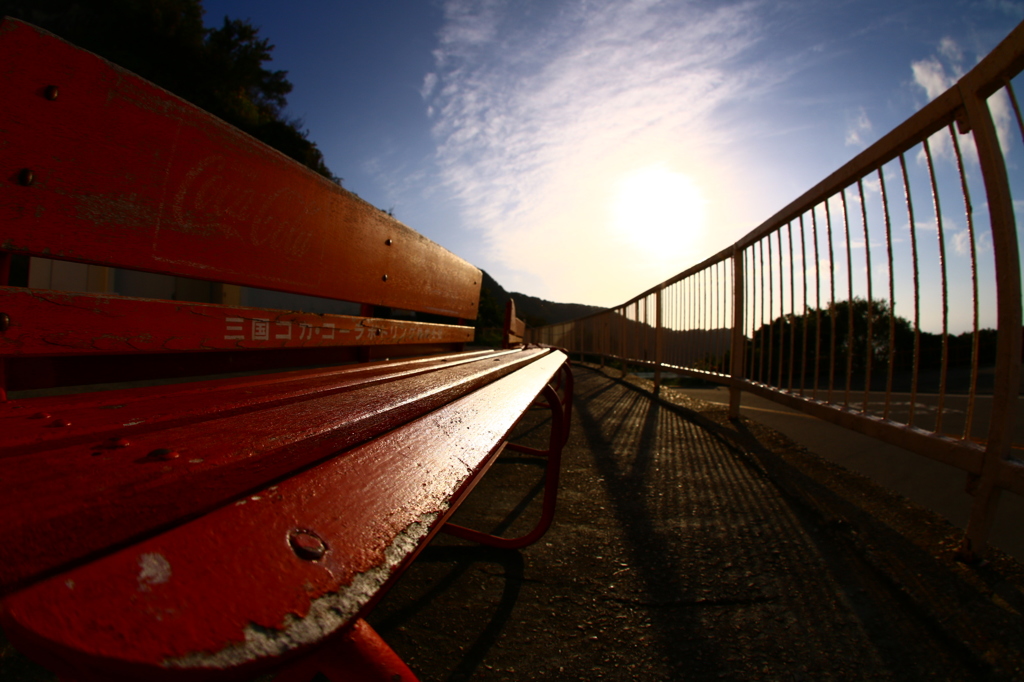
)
(659, 211)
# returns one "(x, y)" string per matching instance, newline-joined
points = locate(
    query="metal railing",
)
(886, 299)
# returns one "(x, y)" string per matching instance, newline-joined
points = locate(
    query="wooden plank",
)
(63, 323)
(125, 174)
(515, 329)
(185, 595)
(23, 429)
(94, 486)
(84, 372)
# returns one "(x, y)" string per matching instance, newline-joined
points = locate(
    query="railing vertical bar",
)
(771, 311)
(638, 339)
(672, 324)
(781, 309)
(713, 323)
(676, 325)
(709, 322)
(709, 313)
(944, 369)
(792, 305)
(719, 316)
(658, 341)
(976, 337)
(684, 339)
(702, 315)
(724, 322)
(738, 332)
(780, 370)
(870, 336)
(849, 300)
(717, 325)
(1016, 108)
(817, 305)
(709, 317)
(892, 295)
(752, 298)
(755, 316)
(760, 358)
(831, 303)
(691, 335)
(806, 311)
(727, 304)
(917, 293)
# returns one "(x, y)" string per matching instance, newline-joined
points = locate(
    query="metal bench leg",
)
(359, 656)
(560, 414)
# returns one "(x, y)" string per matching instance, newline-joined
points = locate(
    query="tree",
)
(820, 343)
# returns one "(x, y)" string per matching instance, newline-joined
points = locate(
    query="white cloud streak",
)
(856, 131)
(931, 75)
(537, 117)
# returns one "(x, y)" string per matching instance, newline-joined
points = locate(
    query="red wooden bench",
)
(245, 522)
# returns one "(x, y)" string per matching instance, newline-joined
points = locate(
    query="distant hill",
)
(536, 311)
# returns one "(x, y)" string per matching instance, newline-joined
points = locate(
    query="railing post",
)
(738, 347)
(986, 489)
(657, 341)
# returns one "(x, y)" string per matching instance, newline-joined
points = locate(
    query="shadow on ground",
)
(687, 547)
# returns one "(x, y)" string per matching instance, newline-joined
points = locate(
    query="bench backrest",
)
(514, 330)
(104, 168)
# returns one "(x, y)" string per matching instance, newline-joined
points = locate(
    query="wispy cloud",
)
(933, 76)
(540, 109)
(858, 129)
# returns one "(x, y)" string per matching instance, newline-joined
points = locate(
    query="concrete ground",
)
(931, 484)
(687, 547)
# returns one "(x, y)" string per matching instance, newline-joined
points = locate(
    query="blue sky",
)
(532, 137)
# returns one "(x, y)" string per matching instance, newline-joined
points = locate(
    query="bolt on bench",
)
(243, 523)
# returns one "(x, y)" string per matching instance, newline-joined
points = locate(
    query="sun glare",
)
(658, 211)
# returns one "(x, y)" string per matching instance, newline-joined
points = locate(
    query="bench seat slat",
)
(128, 175)
(93, 501)
(101, 408)
(62, 323)
(32, 424)
(181, 594)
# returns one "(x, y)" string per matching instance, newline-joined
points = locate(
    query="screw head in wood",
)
(5, 322)
(384, 278)
(388, 242)
(51, 92)
(26, 178)
(307, 545)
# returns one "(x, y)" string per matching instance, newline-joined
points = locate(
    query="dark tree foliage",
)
(220, 70)
(819, 344)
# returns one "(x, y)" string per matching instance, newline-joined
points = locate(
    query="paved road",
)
(931, 484)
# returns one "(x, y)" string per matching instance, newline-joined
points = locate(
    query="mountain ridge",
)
(537, 312)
